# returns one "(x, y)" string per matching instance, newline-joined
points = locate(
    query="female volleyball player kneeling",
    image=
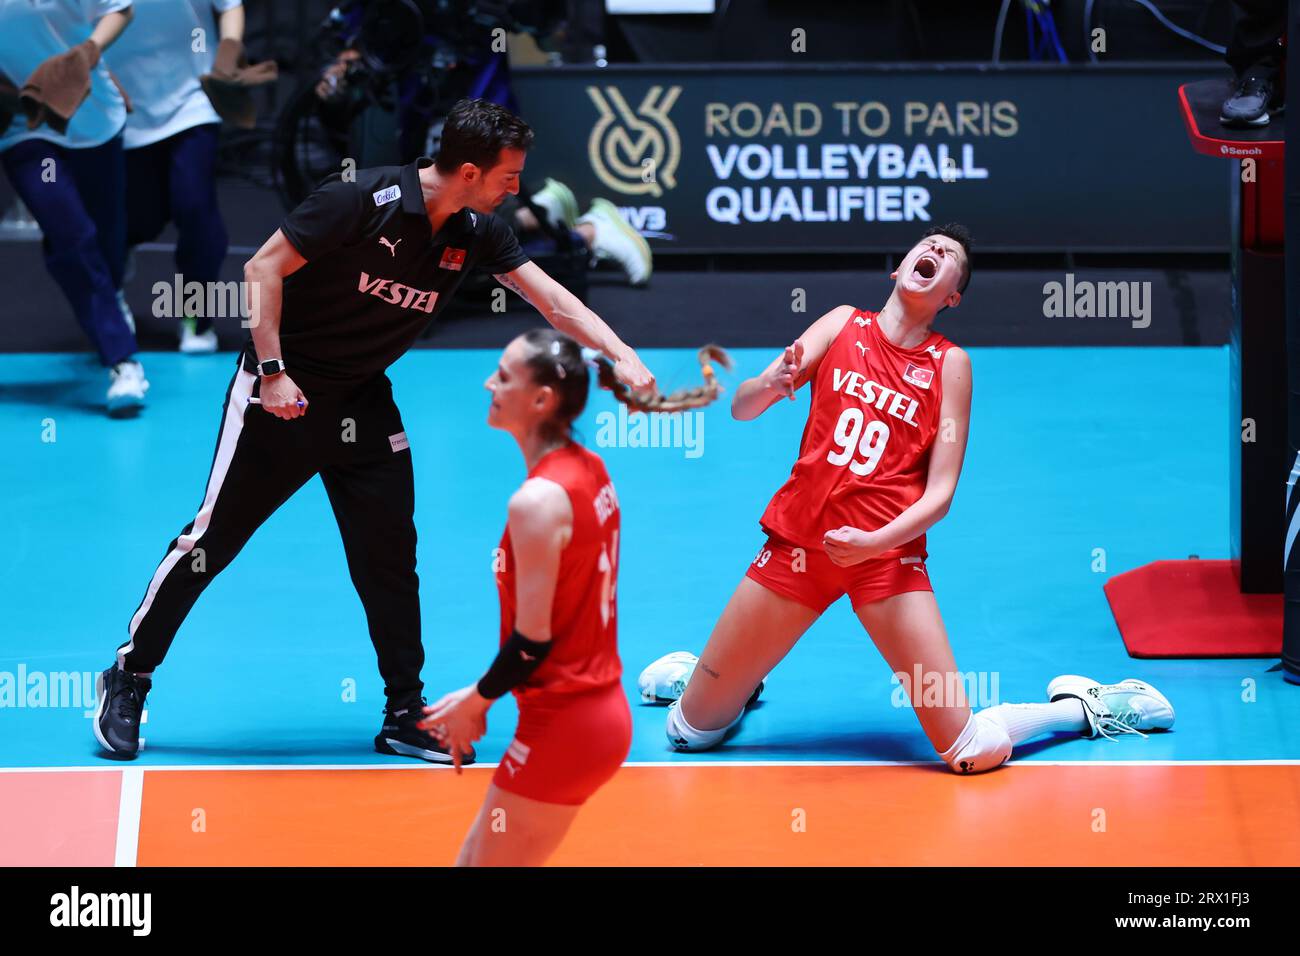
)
(877, 467)
(556, 579)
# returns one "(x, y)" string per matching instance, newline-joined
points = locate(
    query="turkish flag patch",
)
(452, 259)
(920, 377)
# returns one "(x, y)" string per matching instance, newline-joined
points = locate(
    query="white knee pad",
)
(685, 737)
(982, 745)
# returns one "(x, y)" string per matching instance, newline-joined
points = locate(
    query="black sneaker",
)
(1250, 103)
(119, 705)
(400, 737)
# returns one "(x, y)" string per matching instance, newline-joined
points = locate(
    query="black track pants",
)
(357, 444)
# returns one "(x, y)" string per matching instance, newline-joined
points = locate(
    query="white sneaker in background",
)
(126, 388)
(559, 202)
(197, 343)
(618, 241)
(666, 679)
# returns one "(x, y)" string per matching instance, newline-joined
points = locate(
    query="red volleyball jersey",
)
(866, 446)
(584, 615)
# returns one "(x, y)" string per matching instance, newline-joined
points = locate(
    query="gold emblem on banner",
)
(635, 152)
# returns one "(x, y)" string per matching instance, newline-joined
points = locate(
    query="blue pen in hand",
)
(258, 401)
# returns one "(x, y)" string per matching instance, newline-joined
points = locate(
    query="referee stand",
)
(1233, 608)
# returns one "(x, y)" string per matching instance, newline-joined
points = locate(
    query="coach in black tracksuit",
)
(339, 293)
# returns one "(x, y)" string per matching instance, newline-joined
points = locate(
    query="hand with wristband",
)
(460, 718)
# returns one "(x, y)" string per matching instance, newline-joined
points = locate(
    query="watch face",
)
(272, 367)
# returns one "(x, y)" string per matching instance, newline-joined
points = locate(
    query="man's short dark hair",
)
(960, 235)
(476, 131)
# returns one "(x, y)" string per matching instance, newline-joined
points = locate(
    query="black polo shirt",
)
(376, 275)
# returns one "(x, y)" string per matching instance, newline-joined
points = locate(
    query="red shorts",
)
(809, 576)
(567, 745)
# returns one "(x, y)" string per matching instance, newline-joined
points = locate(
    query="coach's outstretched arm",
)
(788, 372)
(264, 281)
(566, 313)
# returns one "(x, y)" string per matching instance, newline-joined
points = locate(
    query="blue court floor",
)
(1077, 456)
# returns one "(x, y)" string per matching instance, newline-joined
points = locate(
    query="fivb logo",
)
(75, 909)
(635, 152)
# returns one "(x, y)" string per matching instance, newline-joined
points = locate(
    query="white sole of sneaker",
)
(610, 214)
(406, 750)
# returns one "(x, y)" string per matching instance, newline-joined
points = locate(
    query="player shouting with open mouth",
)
(877, 467)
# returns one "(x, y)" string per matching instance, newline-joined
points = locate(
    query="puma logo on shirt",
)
(391, 246)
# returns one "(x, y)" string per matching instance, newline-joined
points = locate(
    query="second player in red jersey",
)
(584, 607)
(557, 577)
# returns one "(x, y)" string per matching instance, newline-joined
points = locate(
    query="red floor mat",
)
(1193, 609)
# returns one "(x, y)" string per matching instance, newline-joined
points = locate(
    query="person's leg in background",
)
(101, 180)
(202, 241)
(1255, 54)
(77, 257)
(147, 209)
(602, 229)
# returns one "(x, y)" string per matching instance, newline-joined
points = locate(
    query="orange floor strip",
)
(746, 815)
(59, 819)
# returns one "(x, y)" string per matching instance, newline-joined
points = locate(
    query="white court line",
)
(128, 817)
(1285, 762)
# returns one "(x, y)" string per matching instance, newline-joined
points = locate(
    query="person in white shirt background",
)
(171, 137)
(72, 178)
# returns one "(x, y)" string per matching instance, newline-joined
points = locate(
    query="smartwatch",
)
(270, 367)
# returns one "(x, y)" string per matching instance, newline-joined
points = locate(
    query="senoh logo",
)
(635, 152)
(1240, 151)
(400, 295)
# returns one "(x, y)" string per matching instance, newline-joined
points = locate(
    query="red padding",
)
(1193, 609)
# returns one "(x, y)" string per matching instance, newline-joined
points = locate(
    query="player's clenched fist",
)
(785, 375)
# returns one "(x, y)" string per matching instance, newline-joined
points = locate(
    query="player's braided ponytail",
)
(557, 361)
(678, 401)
